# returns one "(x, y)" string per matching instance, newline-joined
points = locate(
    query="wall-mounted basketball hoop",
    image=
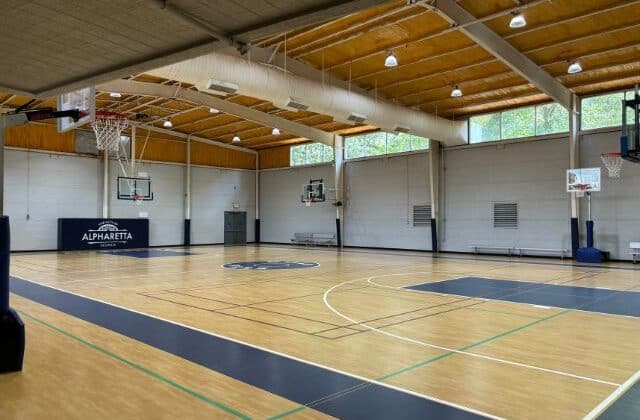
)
(108, 127)
(613, 162)
(313, 192)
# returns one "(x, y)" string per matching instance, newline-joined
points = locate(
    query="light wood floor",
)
(350, 313)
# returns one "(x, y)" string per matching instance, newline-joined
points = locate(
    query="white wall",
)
(50, 186)
(380, 195)
(214, 191)
(616, 208)
(282, 213)
(40, 187)
(530, 173)
(166, 210)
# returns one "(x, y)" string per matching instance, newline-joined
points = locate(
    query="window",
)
(484, 128)
(519, 122)
(602, 111)
(551, 118)
(516, 123)
(310, 153)
(505, 215)
(381, 143)
(422, 215)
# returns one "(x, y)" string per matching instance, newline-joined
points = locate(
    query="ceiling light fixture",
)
(456, 92)
(115, 94)
(517, 20)
(213, 110)
(574, 68)
(391, 60)
(167, 124)
(235, 139)
(275, 131)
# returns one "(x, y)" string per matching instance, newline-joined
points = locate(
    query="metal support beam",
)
(126, 69)
(317, 15)
(434, 191)
(105, 185)
(187, 197)
(574, 162)
(504, 51)
(338, 151)
(153, 89)
(257, 229)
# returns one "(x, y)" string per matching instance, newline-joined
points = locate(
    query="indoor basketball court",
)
(361, 209)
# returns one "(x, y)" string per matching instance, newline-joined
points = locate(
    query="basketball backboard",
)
(583, 179)
(83, 100)
(313, 192)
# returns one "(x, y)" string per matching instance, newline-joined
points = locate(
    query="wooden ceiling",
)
(603, 35)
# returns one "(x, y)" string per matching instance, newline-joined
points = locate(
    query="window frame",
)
(386, 147)
(500, 126)
(306, 155)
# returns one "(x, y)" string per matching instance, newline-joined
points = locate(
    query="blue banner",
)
(77, 234)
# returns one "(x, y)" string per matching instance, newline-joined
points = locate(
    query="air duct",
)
(264, 82)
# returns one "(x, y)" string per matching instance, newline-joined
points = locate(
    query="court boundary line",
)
(135, 365)
(291, 357)
(613, 397)
(443, 348)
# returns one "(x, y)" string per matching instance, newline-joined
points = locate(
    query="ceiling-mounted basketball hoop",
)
(108, 126)
(613, 162)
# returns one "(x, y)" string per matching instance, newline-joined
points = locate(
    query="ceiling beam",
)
(504, 51)
(122, 70)
(314, 16)
(153, 89)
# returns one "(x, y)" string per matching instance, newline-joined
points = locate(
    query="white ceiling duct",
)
(271, 84)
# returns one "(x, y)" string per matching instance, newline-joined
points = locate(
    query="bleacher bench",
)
(561, 252)
(635, 250)
(327, 239)
(521, 251)
(477, 248)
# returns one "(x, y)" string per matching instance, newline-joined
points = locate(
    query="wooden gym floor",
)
(171, 334)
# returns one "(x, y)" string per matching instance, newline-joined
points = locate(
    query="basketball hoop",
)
(613, 163)
(580, 189)
(108, 126)
(307, 201)
(137, 198)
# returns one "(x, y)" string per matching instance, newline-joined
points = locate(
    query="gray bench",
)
(476, 248)
(561, 252)
(635, 250)
(327, 239)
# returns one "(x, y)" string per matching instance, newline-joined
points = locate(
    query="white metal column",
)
(434, 183)
(338, 151)
(105, 186)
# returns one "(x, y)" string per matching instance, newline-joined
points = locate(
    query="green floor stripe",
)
(503, 313)
(287, 413)
(140, 368)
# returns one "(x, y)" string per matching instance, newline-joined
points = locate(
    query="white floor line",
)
(352, 375)
(613, 397)
(424, 344)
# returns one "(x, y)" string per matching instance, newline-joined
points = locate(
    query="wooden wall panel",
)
(277, 157)
(210, 155)
(162, 150)
(41, 137)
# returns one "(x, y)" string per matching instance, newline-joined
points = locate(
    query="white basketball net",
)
(613, 163)
(108, 128)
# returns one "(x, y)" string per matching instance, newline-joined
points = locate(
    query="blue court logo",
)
(270, 265)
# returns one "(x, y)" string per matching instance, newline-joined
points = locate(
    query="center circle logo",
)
(270, 265)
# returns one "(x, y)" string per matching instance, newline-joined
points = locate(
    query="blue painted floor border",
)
(608, 301)
(301, 382)
(148, 253)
